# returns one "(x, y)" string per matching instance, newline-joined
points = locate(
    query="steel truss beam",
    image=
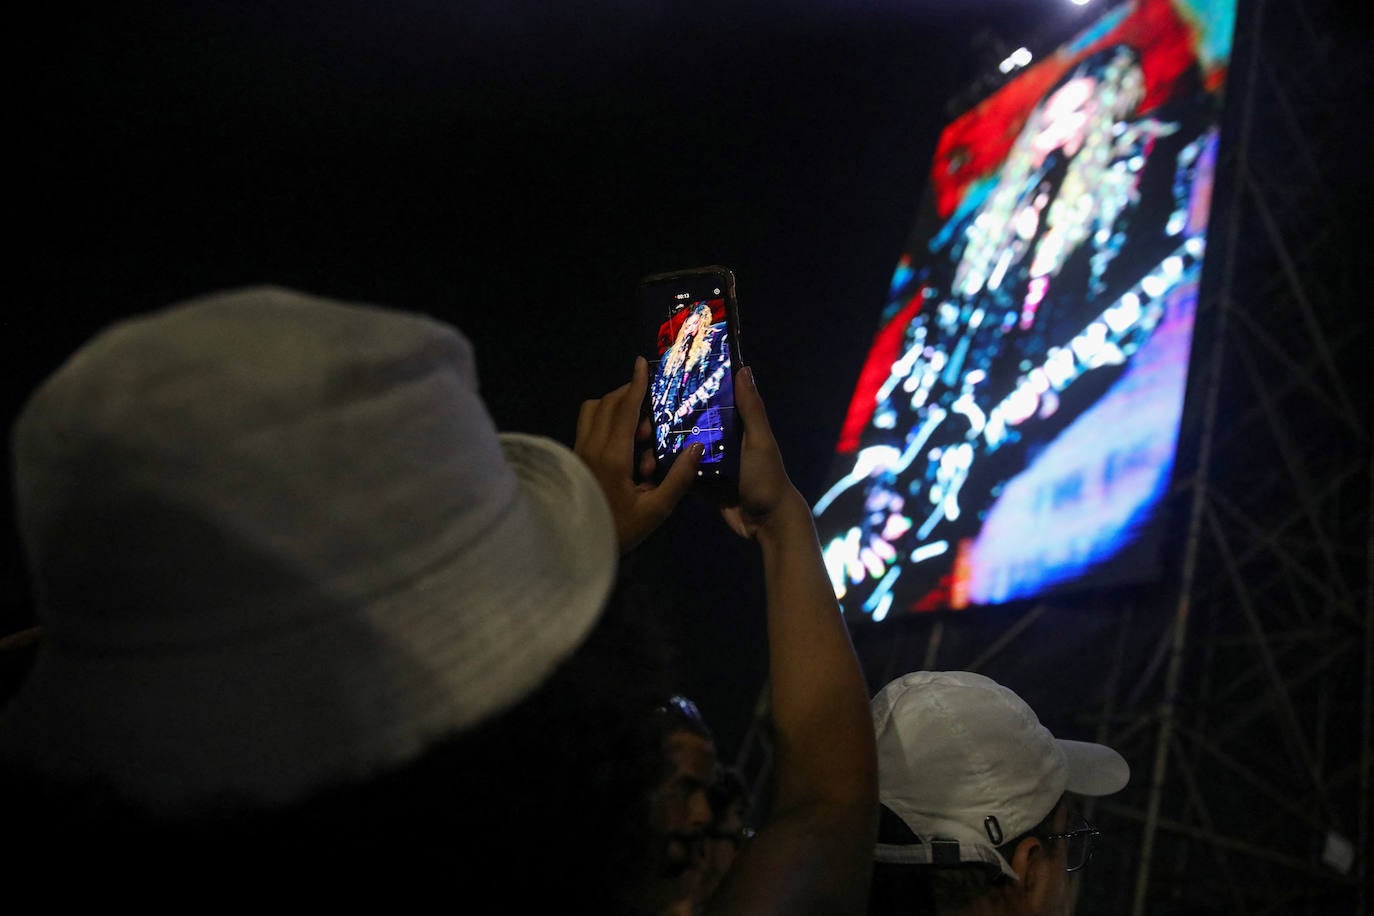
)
(1260, 754)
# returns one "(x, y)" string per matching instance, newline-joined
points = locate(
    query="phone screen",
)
(690, 327)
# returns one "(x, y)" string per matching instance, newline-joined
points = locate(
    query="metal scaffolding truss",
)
(1239, 686)
(1259, 796)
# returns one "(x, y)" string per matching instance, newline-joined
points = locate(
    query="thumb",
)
(750, 406)
(677, 481)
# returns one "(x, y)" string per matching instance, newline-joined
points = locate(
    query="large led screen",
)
(1014, 426)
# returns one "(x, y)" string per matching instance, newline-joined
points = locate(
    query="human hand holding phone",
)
(765, 490)
(607, 428)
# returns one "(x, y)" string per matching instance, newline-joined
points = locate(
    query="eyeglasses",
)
(1078, 840)
(681, 706)
(737, 837)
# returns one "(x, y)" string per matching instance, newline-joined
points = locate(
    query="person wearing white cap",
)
(297, 593)
(978, 814)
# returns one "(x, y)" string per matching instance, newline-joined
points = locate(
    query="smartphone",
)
(690, 335)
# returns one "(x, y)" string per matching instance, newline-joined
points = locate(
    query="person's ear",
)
(1032, 861)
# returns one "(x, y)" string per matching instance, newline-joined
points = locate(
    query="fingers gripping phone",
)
(689, 332)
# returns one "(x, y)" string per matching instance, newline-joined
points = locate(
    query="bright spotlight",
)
(1080, 2)
(1017, 59)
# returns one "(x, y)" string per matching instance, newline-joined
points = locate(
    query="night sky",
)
(512, 167)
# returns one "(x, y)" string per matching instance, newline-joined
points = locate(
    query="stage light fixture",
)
(1015, 60)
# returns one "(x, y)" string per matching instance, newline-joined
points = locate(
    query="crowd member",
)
(297, 591)
(729, 830)
(679, 810)
(714, 844)
(804, 858)
(980, 812)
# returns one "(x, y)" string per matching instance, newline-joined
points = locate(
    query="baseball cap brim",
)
(1094, 769)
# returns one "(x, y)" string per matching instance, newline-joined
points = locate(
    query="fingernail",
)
(696, 449)
(749, 377)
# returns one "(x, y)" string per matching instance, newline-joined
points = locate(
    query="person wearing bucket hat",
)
(294, 587)
(266, 514)
(978, 810)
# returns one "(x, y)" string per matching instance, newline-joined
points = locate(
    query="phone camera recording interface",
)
(692, 384)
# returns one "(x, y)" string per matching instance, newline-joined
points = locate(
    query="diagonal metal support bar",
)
(1295, 282)
(1292, 727)
(1262, 538)
(1301, 480)
(1257, 706)
(1278, 93)
(1296, 375)
(1276, 797)
(1198, 800)
(1266, 540)
(1008, 637)
(1246, 847)
(1367, 710)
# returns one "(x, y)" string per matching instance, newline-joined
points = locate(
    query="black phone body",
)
(689, 328)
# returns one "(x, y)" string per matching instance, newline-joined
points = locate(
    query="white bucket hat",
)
(967, 766)
(277, 544)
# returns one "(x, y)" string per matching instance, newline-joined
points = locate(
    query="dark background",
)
(512, 167)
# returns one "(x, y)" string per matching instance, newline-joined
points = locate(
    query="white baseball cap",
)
(278, 544)
(967, 766)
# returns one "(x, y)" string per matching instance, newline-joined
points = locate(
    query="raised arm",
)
(814, 853)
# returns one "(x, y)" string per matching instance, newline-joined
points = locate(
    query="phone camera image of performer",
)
(692, 382)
